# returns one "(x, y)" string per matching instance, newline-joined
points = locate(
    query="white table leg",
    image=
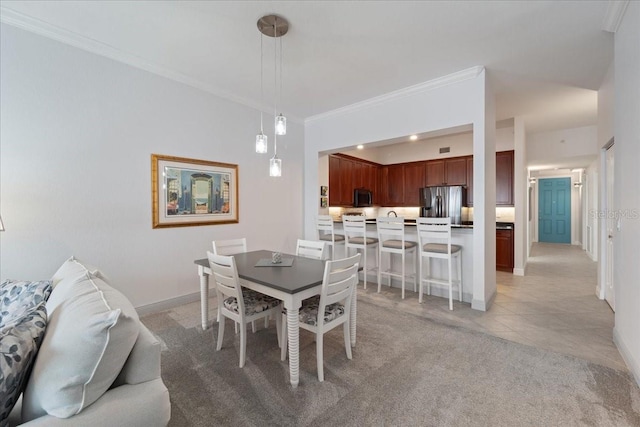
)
(293, 336)
(204, 297)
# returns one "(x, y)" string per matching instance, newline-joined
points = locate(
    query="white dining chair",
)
(392, 241)
(235, 304)
(229, 247)
(331, 309)
(355, 234)
(434, 239)
(311, 249)
(326, 233)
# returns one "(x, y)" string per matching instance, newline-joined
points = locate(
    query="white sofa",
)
(98, 365)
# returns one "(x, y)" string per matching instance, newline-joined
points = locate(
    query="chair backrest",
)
(225, 276)
(390, 228)
(434, 230)
(338, 284)
(324, 226)
(354, 226)
(311, 249)
(229, 247)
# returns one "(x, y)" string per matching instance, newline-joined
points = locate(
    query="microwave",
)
(362, 198)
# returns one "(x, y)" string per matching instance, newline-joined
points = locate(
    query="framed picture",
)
(323, 190)
(323, 202)
(187, 192)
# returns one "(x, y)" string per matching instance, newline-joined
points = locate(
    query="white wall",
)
(626, 194)
(77, 135)
(591, 187)
(520, 195)
(416, 111)
(546, 147)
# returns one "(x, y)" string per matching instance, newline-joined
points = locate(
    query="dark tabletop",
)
(303, 274)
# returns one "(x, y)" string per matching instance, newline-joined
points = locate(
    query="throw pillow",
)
(71, 271)
(15, 295)
(20, 339)
(89, 337)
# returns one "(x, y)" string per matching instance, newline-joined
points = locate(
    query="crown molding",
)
(33, 25)
(614, 14)
(459, 76)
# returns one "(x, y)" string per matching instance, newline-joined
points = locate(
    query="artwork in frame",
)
(323, 190)
(323, 202)
(188, 192)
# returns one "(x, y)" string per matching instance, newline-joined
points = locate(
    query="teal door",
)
(554, 213)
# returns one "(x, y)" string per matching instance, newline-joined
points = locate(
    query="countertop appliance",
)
(362, 198)
(443, 202)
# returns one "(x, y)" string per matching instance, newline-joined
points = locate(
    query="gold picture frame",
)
(190, 192)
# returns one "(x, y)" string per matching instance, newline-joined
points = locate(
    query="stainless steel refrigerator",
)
(443, 201)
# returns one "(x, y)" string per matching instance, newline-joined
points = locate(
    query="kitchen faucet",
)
(392, 212)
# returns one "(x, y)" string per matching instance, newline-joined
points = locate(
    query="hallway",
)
(553, 307)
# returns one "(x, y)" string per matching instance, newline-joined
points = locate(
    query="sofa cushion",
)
(65, 278)
(20, 338)
(90, 334)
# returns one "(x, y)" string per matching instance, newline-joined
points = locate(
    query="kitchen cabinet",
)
(414, 180)
(504, 178)
(393, 185)
(504, 250)
(346, 174)
(452, 171)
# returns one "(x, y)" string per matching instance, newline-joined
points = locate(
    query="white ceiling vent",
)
(445, 150)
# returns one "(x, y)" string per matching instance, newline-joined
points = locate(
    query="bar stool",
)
(324, 226)
(392, 241)
(438, 229)
(355, 233)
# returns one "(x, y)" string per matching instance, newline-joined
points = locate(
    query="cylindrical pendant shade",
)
(261, 143)
(281, 125)
(275, 167)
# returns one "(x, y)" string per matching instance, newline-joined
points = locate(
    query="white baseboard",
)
(167, 304)
(518, 271)
(483, 305)
(632, 364)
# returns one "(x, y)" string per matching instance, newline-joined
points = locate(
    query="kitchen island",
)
(460, 235)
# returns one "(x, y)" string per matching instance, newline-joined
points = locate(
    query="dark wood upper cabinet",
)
(346, 174)
(504, 178)
(469, 161)
(434, 172)
(393, 179)
(455, 171)
(414, 180)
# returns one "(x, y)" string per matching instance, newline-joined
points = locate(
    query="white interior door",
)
(610, 221)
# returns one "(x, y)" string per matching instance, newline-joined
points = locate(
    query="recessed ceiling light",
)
(360, 147)
(413, 137)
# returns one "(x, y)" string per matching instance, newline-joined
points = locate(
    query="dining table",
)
(292, 281)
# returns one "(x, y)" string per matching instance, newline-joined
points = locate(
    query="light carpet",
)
(406, 370)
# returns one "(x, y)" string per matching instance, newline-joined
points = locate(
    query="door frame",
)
(604, 208)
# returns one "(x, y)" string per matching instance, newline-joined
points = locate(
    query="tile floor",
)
(553, 307)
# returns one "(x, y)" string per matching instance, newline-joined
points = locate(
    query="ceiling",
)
(546, 58)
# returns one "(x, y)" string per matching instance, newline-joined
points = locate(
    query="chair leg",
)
(420, 277)
(221, 332)
(379, 272)
(450, 287)
(364, 270)
(415, 271)
(347, 339)
(460, 276)
(402, 259)
(283, 348)
(266, 322)
(243, 345)
(319, 339)
(253, 326)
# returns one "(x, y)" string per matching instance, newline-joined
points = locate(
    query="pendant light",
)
(276, 27)
(261, 138)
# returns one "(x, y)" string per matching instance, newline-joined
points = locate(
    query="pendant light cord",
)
(261, 84)
(275, 84)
